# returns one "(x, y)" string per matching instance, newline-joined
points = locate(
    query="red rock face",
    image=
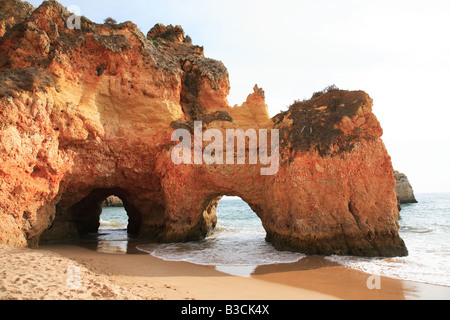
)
(88, 113)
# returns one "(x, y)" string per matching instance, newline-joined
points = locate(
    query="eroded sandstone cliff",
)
(88, 113)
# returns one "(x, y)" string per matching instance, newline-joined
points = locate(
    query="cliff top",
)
(44, 32)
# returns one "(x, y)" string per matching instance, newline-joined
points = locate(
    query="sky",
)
(397, 51)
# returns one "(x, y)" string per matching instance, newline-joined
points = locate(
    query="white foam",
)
(111, 223)
(426, 263)
(224, 249)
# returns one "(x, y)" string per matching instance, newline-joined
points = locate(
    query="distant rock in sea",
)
(404, 189)
(113, 201)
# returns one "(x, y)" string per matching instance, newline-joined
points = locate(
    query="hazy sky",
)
(397, 51)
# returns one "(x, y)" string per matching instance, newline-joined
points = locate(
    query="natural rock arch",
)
(86, 213)
(71, 135)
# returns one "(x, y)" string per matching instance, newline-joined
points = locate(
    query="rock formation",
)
(404, 189)
(13, 12)
(88, 113)
(112, 201)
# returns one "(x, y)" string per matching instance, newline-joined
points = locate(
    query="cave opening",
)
(107, 217)
(237, 215)
(113, 216)
(235, 244)
(106, 209)
(239, 243)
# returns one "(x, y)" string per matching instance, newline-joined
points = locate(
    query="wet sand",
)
(324, 276)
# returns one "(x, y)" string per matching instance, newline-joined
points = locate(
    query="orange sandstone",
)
(88, 113)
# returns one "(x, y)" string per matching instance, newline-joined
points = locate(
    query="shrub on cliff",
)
(326, 90)
(187, 39)
(110, 20)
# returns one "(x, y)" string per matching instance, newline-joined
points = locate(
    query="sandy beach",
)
(74, 272)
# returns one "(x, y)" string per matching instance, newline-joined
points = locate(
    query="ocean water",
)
(238, 245)
(425, 228)
(112, 236)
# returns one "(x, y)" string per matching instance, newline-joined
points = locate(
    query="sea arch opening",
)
(112, 235)
(87, 213)
(236, 215)
(231, 231)
(239, 237)
(94, 215)
(113, 215)
(244, 244)
(221, 203)
(234, 241)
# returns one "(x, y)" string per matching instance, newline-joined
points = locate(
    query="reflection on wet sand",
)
(322, 275)
(314, 273)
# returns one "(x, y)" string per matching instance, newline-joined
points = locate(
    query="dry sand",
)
(72, 272)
